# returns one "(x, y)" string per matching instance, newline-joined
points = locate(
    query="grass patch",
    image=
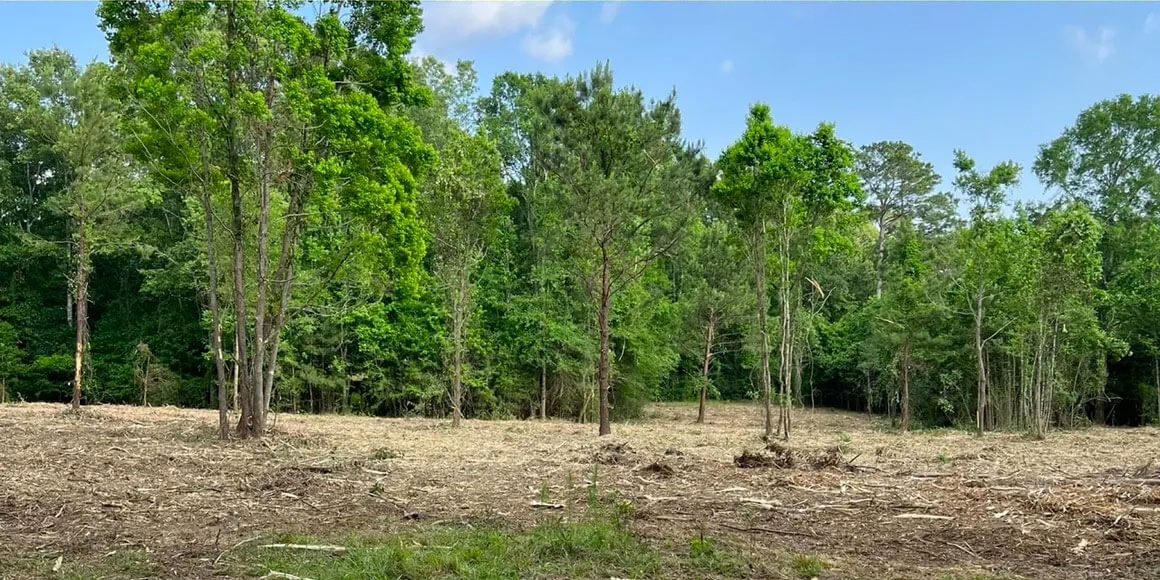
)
(118, 565)
(806, 567)
(596, 547)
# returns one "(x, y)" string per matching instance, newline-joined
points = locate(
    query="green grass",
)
(596, 547)
(806, 567)
(118, 565)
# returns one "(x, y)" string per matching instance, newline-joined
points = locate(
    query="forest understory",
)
(131, 492)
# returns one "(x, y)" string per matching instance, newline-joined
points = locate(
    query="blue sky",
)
(996, 80)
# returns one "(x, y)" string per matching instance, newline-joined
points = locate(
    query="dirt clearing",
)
(873, 503)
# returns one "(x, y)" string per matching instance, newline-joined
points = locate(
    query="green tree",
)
(1110, 159)
(983, 255)
(101, 189)
(11, 358)
(1068, 328)
(295, 122)
(622, 180)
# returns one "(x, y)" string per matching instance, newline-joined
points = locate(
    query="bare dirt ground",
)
(941, 504)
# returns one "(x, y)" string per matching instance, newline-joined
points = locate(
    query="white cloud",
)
(1152, 23)
(726, 66)
(418, 53)
(551, 43)
(608, 11)
(451, 26)
(1098, 46)
(448, 23)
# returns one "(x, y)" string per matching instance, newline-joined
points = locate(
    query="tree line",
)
(256, 210)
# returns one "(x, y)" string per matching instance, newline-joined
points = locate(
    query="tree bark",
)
(705, 368)
(869, 394)
(605, 369)
(247, 421)
(905, 388)
(458, 314)
(81, 298)
(981, 394)
(543, 393)
(261, 329)
(762, 328)
(785, 298)
(879, 257)
(214, 304)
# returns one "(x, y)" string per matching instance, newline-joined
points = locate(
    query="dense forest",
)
(254, 209)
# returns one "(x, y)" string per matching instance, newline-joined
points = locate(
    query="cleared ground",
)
(134, 492)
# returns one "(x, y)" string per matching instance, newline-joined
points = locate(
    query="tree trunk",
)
(458, 314)
(543, 393)
(705, 367)
(215, 306)
(1156, 378)
(81, 298)
(605, 360)
(869, 394)
(879, 256)
(981, 394)
(237, 374)
(247, 421)
(284, 277)
(759, 282)
(905, 388)
(785, 364)
(68, 295)
(3, 391)
(262, 344)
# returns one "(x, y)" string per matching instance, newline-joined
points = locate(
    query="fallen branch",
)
(550, 506)
(767, 531)
(761, 503)
(923, 517)
(311, 547)
(234, 547)
(282, 576)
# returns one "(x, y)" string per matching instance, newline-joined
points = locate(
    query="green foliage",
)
(417, 232)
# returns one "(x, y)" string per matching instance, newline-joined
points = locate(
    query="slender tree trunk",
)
(981, 394)
(1039, 382)
(214, 304)
(605, 360)
(705, 368)
(879, 257)
(68, 295)
(869, 394)
(458, 314)
(798, 392)
(81, 291)
(284, 278)
(543, 393)
(3, 391)
(247, 421)
(261, 329)
(237, 374)
(145, 385)
(905, 388)
(762, 328)
(1156, 378)
(785, 364)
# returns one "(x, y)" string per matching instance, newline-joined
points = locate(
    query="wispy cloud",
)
(447, 22)
(453, 25)
(551, 43)
(1152, 22)
(1097, 46)
(608, 11)
(726, 66)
